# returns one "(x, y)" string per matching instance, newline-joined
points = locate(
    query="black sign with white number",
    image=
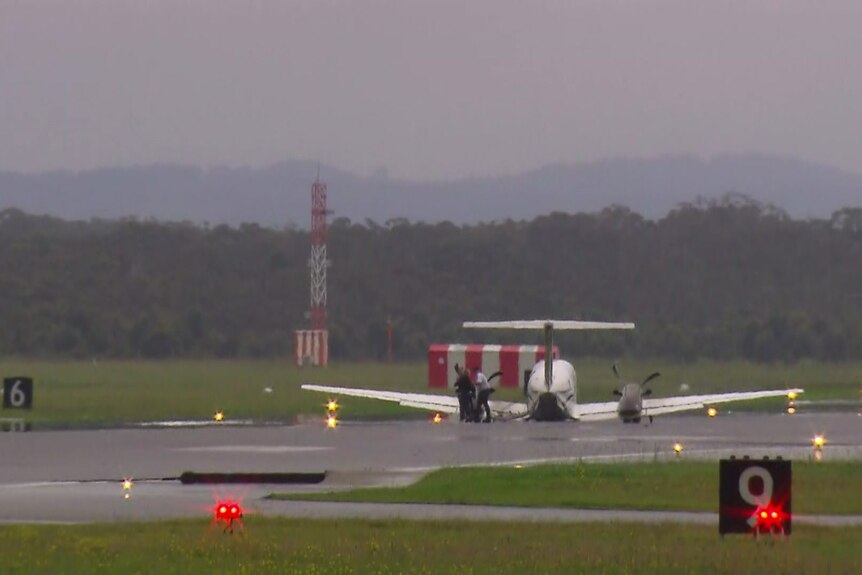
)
(754, 496)
(18, 392)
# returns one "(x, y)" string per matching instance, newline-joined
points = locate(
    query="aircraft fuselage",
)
(631, 403)
(559, 400)
(555, 401)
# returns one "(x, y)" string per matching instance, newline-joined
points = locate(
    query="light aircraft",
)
(551, 389)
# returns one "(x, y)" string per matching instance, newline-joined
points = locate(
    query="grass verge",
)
(401, 547)
(818, 488)
(92, 393)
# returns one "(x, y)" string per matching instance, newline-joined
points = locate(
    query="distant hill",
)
(279, 195)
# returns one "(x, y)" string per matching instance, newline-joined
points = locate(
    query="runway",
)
(75, 476)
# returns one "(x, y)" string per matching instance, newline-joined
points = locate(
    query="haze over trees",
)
(279, 194)
(723, 279)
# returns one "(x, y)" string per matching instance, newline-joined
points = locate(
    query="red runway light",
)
(228, 511)
(770, 518)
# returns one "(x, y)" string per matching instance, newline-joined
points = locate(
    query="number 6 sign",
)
(18, 392)
(754, 496)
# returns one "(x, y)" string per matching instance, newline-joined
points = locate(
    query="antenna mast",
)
(318, 261)
(311, 346)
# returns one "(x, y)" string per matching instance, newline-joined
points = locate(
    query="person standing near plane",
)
(465, 391)
(484, 388)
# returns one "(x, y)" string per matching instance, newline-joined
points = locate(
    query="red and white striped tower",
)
(311, 346)
(318, 262)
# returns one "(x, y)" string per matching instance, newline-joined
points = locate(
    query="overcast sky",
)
(427, 90)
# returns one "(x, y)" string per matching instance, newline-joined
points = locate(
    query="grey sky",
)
(428, 90)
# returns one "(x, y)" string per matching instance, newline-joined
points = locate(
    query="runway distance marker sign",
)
(17, 393)
(755, 496)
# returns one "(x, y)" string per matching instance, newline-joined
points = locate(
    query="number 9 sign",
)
(754, 496)
(17, 393)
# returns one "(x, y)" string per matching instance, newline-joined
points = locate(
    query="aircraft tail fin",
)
(548, 326)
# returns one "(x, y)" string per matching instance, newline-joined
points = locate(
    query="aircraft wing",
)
(597, 411)
(428, 401)
(508, 409)
(658, 406)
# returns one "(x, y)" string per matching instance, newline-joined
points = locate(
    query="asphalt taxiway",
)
(75, 476)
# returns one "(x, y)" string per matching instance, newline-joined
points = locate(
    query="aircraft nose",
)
(548, 408)
(630, 400)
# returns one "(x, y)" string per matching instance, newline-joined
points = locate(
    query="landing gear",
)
(637, 419)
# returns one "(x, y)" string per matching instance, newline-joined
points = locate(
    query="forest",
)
(724, 278)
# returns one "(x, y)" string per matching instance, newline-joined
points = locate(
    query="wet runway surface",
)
(76, 476)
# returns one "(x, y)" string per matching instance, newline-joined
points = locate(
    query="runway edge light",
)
(331, 413)
(818, 441)
(791, 402)
(228, 512)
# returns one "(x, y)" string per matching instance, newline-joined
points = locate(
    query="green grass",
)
(318, 547)
(818, 488)
(110, 392)
(107, 392)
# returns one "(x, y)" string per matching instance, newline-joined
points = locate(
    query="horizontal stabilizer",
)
(541, 323)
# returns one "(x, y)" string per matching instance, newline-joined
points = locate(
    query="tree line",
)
(727, 278)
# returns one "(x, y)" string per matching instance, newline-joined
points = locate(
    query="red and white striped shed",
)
(311, 347)
(512, 360)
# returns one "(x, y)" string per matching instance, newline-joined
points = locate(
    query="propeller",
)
(644, 392)
(649, 378)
